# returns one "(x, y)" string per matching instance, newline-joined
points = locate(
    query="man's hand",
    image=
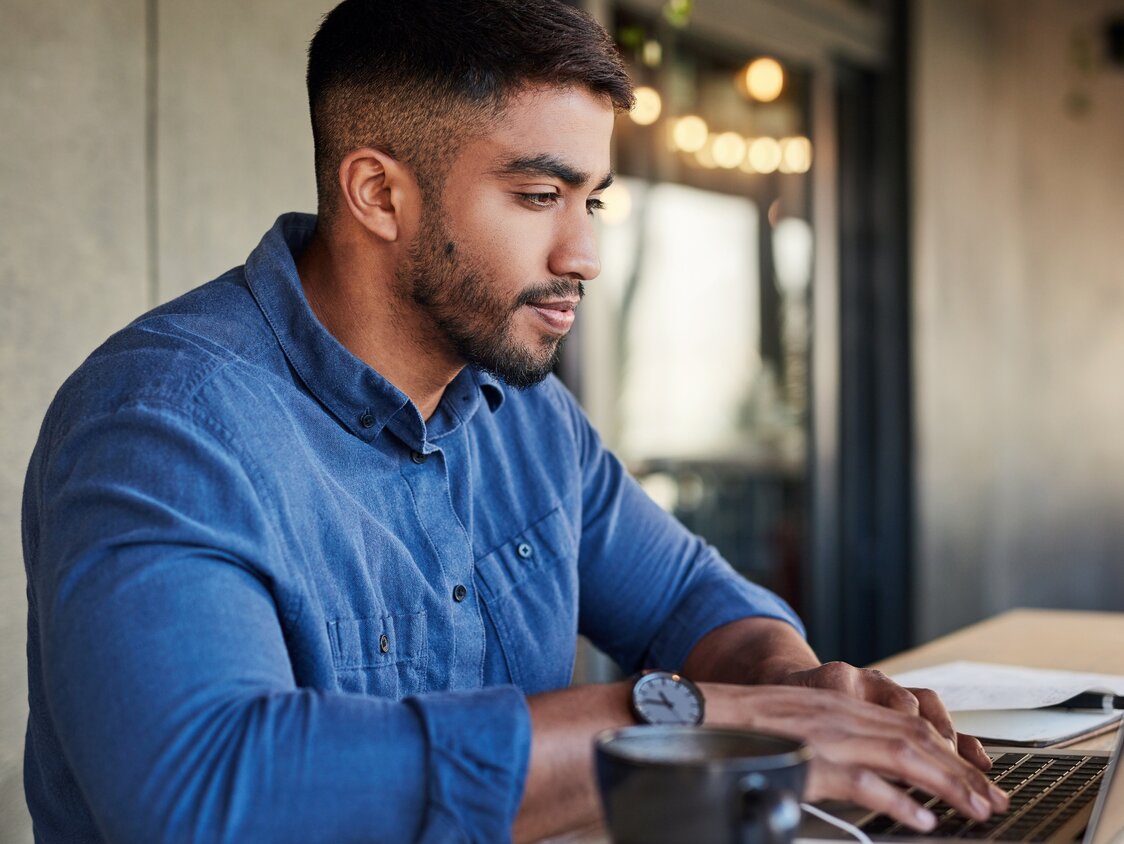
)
(866, 729)
(861, 749)
(875, 687)
(869, 735)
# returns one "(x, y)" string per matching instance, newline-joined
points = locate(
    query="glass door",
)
(746, 348)
(695, 342)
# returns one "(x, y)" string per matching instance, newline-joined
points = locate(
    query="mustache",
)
(558, 288)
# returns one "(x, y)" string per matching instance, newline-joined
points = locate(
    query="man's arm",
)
(767, 651)
(654, 595)
(164, 686)
(560, 792)
(866, 732)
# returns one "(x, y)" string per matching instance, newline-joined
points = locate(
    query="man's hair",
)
(417, 78)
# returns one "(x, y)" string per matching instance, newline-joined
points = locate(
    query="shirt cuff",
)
(709, 606)
(479, 745)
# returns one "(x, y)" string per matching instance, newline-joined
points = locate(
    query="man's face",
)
(498, 264)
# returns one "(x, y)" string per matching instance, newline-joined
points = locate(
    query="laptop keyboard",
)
(1046, 791)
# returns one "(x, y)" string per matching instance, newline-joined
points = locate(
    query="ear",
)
(380, 192)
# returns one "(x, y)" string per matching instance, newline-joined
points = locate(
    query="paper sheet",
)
(977, 686)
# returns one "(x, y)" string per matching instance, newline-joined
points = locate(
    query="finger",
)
(926, 761)
(886, 692)
(932, 709)
(966, 748)
(863, 786)
(909, 749)
(847, 731)
(971, 749)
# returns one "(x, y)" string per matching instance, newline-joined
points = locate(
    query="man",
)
(302, 568)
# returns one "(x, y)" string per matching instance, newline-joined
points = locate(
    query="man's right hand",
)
(861, 750)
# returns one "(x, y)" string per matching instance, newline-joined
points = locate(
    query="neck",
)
(353, 291)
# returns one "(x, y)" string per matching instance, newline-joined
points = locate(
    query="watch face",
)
(664, 698)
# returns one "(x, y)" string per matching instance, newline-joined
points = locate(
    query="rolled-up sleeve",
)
(650, 589)
(164, 667)
(479, 743)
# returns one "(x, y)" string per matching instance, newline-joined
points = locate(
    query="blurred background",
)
(861, 317)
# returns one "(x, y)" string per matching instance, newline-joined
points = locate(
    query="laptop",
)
(1056, 795)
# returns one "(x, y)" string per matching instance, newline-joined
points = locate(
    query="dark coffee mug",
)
(663, 784)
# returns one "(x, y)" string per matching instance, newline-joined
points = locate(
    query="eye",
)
(594, 204)
(540, 200)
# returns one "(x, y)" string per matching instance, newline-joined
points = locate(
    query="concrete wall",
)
(233, 141)
(147, 146)
(72, 266)
(1019, 310)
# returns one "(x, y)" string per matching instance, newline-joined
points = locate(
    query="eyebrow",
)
(552, 167)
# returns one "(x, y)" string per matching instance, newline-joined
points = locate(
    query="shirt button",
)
(459, 592)
(367, 419)
(418, 457)
(524, 550)
(384, 643)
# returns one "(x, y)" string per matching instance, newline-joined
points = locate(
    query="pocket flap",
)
(546, 541)
(375, 642)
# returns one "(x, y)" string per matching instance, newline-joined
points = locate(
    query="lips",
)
(558, 314)
(556, 304)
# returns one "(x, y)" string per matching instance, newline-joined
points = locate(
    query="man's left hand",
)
(766, 651)
(873, 686)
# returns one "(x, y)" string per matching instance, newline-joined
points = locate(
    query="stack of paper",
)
(1009, 704)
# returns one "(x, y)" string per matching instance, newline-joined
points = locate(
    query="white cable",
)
(836, 822)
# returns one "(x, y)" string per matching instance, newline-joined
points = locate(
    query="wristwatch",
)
(661, 697)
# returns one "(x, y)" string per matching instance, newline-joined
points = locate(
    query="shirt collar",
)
(356, 394)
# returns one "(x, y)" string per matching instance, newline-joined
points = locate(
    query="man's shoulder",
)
(168, 354)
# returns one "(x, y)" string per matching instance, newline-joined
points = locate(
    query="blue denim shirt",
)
(269, 602)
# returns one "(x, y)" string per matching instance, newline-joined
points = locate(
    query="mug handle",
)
(766, 815)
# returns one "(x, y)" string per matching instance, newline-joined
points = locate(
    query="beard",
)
(477, 325)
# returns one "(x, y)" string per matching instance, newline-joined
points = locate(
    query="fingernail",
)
(926, 820)
(981, 807)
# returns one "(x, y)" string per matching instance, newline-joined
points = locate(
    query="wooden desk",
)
(1059, 639)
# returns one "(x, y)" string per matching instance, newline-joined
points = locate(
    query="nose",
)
(575, 249)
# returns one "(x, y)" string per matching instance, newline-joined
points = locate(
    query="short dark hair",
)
(415, 78)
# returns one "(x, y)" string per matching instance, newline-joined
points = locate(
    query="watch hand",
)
(666, 702)
(663, 702)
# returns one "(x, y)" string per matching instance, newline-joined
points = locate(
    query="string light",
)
(796, 155)
(648, 106)
(728, 150)
(764, 155)
(763, 79)
(689, 133)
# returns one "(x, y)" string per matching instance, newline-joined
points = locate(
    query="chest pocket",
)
(383, 656)
(529, 590)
